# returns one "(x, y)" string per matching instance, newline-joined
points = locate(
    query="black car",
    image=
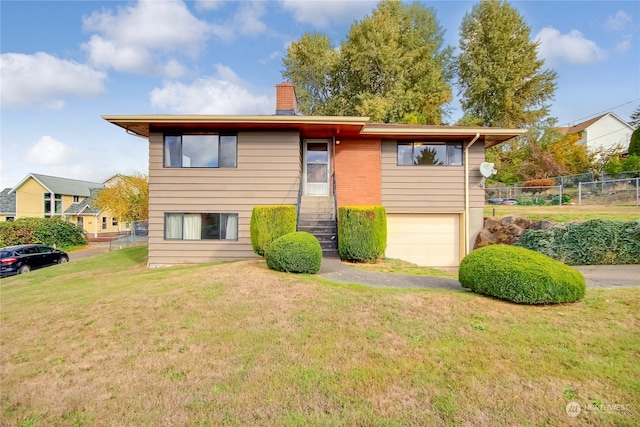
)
(24, 258)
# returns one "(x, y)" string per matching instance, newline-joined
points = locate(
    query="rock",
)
(541, 225)
(485, 238)
(508, 220)
(523, 223)
(513, 230)
(490, 223)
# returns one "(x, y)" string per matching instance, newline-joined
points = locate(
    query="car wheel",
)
(63, 260)
(24, 269)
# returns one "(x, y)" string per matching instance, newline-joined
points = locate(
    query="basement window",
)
(200, 226)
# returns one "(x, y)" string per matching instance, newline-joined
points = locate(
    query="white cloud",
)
(42, 80)
(137, 38)
(573, 47)
(271, 57)
(618, 22)
(248, 18)
(321, 13)
(623, 45)
(224, 93)
(48, 151)
(209, 4)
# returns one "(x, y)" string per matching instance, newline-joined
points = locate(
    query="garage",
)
(431, 240)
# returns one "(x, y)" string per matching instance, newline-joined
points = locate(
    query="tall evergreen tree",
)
(500, 77)
(635, 118)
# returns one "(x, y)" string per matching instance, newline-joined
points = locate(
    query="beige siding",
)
(267, 174)
(429, 188)
(476, 192)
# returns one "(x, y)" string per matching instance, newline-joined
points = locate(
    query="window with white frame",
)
(200, 151)
(429, 154)
(201, 226)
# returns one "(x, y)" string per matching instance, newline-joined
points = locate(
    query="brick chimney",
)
(286, 100)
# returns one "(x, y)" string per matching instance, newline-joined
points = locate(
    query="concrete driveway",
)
(596, 276)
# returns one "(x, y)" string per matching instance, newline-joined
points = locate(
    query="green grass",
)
(565, 213)
(107, 341)
(398, 266)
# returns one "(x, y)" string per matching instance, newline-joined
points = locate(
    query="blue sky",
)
(64, 64)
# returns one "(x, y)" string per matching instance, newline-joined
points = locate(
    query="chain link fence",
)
(138, 234)
(610, 192)
(515, 195)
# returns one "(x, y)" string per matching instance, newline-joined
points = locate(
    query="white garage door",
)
(431, 240)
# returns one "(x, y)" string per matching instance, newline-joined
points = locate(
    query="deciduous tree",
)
(392, 67)
(127, 198)
(501, 79)
(312, 65)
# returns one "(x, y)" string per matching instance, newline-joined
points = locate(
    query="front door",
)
(316, 168)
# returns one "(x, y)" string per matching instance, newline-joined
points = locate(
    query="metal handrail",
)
(299, 200)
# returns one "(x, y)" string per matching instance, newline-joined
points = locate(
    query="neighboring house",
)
(7, 205)
(602, 132)
(44, 196)
(206, 173)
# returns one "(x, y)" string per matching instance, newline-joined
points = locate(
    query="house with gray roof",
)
(7, 205)
(40, 196)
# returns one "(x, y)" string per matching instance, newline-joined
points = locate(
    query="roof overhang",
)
(315, 126)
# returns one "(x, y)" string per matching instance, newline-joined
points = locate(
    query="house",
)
(7, 205)
(602, 132)
(44, 196)
(206, 173)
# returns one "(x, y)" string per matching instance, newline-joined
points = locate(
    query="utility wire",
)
(601, 112)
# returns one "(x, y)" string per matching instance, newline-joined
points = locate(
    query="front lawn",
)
(566, 213)
(106, 341)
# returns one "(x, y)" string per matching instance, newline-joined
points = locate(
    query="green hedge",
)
(270, 222)
(520, 275)
(297, 252)
(592, 242)
(49, 231)
(362, 233)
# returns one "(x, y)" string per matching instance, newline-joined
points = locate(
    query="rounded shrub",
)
(520, 275)
(297, 252)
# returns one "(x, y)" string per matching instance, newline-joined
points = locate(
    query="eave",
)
(311, 126)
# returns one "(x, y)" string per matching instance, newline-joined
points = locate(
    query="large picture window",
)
(200, 151)
(200, 226)
(433, 154)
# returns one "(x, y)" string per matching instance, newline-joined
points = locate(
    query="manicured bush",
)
(362, 233)
(297, 252)
(49, 231)
(520, 275)
(592, 242)
(270, 222)
(543, 182)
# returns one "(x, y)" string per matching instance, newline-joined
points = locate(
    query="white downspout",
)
(466, 193)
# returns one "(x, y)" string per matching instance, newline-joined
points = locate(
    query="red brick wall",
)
(358, 173)
(286, 97)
